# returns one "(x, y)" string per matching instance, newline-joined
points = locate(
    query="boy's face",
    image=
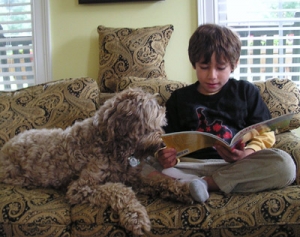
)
(212, 76)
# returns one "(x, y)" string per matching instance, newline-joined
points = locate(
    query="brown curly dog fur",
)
(90, 158)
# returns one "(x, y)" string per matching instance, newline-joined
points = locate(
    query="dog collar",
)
(133, 162)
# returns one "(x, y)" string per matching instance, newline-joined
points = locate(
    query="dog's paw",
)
(137, 221)
(187, 199)
(178, 192)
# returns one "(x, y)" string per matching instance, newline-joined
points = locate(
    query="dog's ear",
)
(126, 113)
(130, 113)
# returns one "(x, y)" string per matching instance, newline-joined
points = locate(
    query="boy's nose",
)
(212, 73)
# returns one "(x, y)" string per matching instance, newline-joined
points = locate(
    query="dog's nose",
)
(162, 144)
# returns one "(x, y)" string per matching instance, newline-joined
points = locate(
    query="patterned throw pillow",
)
(131, 52)
(163, 87)
(282, 97)
(54, 104)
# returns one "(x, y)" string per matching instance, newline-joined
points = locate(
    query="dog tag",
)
(133, 162)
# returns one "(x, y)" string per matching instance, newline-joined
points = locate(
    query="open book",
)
(190, 141)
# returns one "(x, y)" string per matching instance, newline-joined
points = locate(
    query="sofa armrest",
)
(55, 104)
(290, 142)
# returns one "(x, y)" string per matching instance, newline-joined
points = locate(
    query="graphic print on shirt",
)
(215, 127)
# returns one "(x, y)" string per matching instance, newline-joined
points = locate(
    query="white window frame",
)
(207, 10)
(42, 44)
(41, 51)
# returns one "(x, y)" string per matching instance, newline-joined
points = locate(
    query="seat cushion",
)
(235, 214)
(37, 212)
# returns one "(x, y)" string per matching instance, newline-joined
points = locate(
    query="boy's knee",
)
(285, 166)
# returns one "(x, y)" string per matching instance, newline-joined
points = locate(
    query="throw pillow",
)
(56, 104)
(131, 52)
(163, 87)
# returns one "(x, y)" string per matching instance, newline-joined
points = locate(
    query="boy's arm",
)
(257, 143)
(263, 141)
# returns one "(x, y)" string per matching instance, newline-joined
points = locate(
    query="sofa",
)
(45, 212)
(139, 63)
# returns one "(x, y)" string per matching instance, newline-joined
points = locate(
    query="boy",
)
(222, 106)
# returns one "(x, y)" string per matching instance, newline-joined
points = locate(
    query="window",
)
(269, 32)
(24, 43)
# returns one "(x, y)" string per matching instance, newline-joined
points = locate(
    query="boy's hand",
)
(167, 157)
(238, 153)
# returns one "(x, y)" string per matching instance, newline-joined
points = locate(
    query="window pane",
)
(16, 44)
(269, 32)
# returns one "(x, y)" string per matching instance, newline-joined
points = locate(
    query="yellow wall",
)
(74, 37)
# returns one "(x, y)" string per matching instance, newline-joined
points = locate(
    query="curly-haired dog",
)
(91, 158)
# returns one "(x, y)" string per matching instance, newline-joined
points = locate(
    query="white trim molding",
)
(42, 45)
(206, 11)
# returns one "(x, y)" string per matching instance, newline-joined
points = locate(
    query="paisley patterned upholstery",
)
(290, 143)
(45, 212)
(38, 212)
(163, 87)
(131, 52)
(54, 104)
(274, 213)
(282, 97)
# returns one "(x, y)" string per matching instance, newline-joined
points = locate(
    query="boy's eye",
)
(207, 67)
(203, 65)
(221, 68)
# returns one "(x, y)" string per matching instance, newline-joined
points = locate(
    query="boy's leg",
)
(198, 186)
(262, 170)
(190, 170)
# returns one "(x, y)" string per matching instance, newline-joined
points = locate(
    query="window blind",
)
(270, 35)
(16, 44)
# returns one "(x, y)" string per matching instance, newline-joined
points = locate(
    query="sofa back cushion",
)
(162, 87)
(131, 52)
(54, 104)
(282, 97)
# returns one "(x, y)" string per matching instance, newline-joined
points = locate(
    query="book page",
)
(248, 133)
(188, 142)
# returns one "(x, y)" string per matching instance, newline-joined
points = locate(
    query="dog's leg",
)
(165, 187)
(133, 215)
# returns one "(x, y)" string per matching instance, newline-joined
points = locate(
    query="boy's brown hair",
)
(212, 38)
